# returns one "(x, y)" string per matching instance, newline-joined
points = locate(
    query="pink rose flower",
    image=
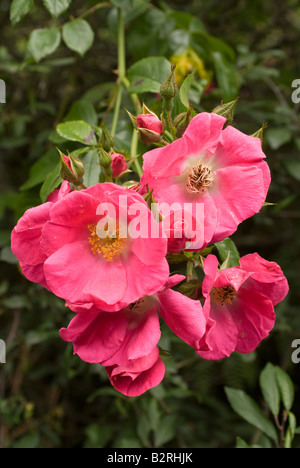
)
(79, 266)
(118, 164)
(222, 169)
(125, 342)
(239, 305)
(138, 377)
(186, 228)
(27, 236)
(133, 332)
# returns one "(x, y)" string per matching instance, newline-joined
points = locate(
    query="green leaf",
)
(166, 431)
(292, 166)
(56, 7)
(51, 183)
(241, 444)
(215, 44)
(149, 36)
(82, 110)
(143, 428)
(147, 75)
(154, 415)
(131, 8)
(227, 76)
(269, 387)
(277, 137)
(286, 388)
(292, 424)
(186, 21)
(228, 253)
(77, 130)
(248, 409)
(124, 3)
(8, 257)
(40, 170)
(19, 9)
(185, 89)
(29, 440)
(78, 36)
(92, 168)
(98, 436)
(43, 42)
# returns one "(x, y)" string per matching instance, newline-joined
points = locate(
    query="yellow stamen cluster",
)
(224, 295)
(109, 247)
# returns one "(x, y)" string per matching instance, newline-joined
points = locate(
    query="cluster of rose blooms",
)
(119, 288)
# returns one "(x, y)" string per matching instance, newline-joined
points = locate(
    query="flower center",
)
(139, 306)
(224, 295)
(199, 179)
(110, 247)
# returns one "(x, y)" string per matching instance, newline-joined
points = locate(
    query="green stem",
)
(121, 70)
(95, 8)
(118, 104)
(124, 82)
(121, 46)
(189, 270)
(133, 153)
(134, 97)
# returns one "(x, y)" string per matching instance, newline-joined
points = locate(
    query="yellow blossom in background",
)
(187, 62)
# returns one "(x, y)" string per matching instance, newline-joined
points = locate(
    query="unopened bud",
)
(148, 136)
(146, 110)
(227, 110)
(72, 169)
(105, 159)
(182, 122)
(132, 118)
(149, 128)
(118, 164)
(260, 132)
(169, 88)
(106, 139)
(149, 122)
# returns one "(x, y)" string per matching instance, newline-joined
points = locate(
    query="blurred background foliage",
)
(250, 49)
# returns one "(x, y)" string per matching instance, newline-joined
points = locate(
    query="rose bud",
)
(72, 169)
(149, 128)
(118, 164)
(149, 122)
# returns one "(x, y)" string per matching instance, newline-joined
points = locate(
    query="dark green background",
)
(49, 398)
